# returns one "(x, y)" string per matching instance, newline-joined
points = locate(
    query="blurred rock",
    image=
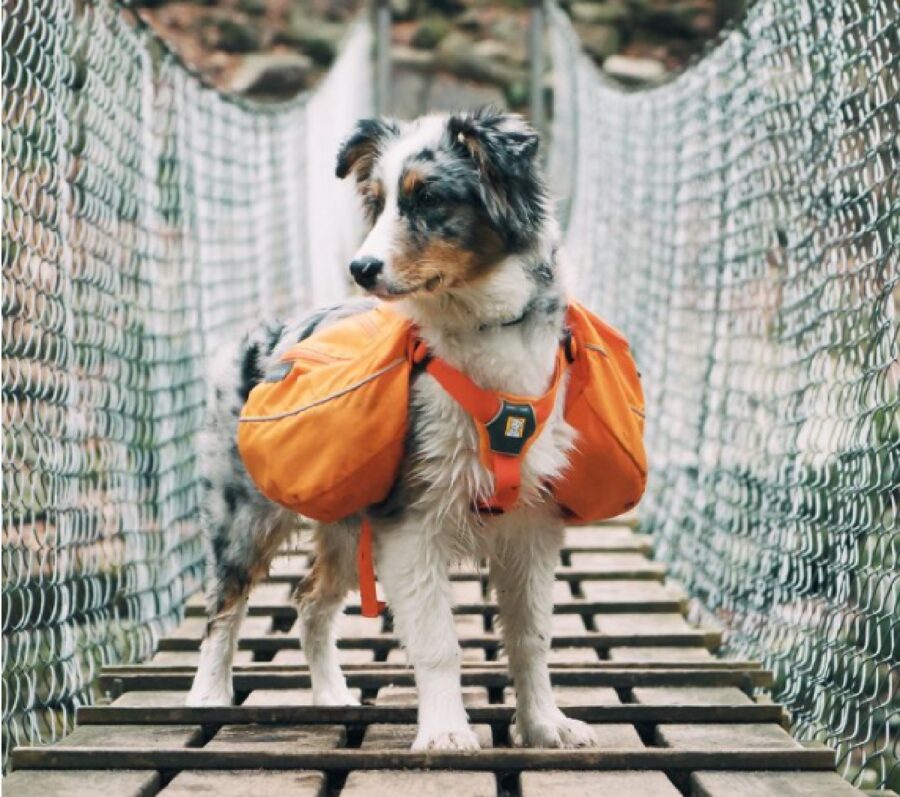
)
(458, 55)
(692, 17)
(634, 71)
(415, 60)
(600, 41)
(320, 40)
(402, 10)
(472, 21)
(450, 7)
(447, 93)
(272, 75)
(255, 7)
(230, 34)
(607, 13)
(430, 32)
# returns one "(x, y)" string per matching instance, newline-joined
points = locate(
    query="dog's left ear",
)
(360, 149)
(503, 147)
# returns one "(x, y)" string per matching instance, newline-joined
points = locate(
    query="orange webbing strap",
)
(370, 606)
(484, 405)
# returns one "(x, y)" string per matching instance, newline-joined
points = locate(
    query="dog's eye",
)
(429, 199)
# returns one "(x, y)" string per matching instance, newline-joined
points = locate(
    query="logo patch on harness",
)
(515, 427)
(510, 429)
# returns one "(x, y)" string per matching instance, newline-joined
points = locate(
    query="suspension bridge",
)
(740, 635)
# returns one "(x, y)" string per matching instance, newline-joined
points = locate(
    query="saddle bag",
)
(607, 471)
(323, 435)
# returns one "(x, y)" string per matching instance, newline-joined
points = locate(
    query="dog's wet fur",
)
(463, 243)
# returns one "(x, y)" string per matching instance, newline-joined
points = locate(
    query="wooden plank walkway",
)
(671, 719)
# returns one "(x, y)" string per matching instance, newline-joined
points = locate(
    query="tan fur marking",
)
(412, 178)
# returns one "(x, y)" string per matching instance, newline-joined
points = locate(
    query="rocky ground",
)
(446, 53)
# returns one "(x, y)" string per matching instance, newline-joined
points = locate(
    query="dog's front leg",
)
(522, 570)
(412, 568)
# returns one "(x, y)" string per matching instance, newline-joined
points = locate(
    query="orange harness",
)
(507, 426)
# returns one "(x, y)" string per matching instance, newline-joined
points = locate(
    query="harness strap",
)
(507, 425)
(370, 606)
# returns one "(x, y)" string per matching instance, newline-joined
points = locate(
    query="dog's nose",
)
(365, 271)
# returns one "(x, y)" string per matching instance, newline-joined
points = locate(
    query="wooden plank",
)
(665, 759)
(585, 656)
(345, 656)
(330, 715)
(771, 784)
(383, 736)
(192, 657)
(81, 783)
(240, 783)
(641, 624)
(143, 736)
(593, 672)
(277, 738)
(401, 737)
(567, 624)
(466, 592)
(690, 696)
(194, 628)
(284, 697)
(605, 540)
(645, 784)
(621, 565)
(617, 737)
(114, 671)
(393, 695)
(750, 737)
(398, 657)
(420, 784)
(266, 594)
(652, 571)
(650, 654)
(574, 696)
(163, 698)
(283, 641)
(118, 670)
(631, 590)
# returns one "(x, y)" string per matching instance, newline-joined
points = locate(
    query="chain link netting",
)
(145, 216)
(740, 223)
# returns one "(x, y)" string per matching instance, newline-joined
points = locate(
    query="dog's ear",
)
(360, 149)
(503, 148)
(501, 142)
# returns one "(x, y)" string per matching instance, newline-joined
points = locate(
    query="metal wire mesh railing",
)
(740, 223)
(145, 216)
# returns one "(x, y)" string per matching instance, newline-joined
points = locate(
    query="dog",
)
(463, 243)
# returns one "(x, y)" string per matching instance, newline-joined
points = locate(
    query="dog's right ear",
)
(360, 149)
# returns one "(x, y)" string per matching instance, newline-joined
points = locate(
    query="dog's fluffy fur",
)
(468, 247)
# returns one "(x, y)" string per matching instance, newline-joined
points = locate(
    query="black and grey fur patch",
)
(240, 526)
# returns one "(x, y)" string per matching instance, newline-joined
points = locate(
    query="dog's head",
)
(449, 197)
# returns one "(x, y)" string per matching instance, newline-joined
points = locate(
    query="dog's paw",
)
(454, 739)
(335, 696)
(559, 732)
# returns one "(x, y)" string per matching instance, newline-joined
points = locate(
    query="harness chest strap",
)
(507, 426)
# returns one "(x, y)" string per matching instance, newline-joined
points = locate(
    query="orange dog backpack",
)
(325, 435)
